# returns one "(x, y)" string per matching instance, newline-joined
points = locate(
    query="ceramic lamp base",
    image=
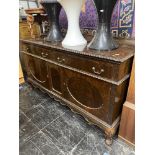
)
(53, 8)
(77, 48)
(73, 36)
(103, 40)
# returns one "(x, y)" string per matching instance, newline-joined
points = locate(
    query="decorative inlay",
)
(84, 93)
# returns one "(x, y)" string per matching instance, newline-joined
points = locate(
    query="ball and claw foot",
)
(109, 141)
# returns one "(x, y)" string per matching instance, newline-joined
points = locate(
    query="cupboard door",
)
(37, 70)
(55, 78)
(92, 95)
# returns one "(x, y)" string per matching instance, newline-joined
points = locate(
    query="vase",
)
(73, 36)
(53, 8)
(103, 39)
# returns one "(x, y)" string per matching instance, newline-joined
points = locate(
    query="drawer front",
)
(95, 67)
(36, 51)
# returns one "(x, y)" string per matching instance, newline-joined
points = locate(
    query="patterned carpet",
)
(48, 128)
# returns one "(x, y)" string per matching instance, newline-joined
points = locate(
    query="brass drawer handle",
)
(60, 60)
(96, 72)
(44, 55)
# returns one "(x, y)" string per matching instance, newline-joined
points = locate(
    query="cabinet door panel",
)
(36, 70)
(90, 94)
(55, 78)
(84, 92)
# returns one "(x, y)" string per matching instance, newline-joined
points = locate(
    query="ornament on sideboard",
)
(103, 39)
(53, 9)
(74, 37)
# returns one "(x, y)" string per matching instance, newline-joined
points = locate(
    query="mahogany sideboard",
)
(91, 83)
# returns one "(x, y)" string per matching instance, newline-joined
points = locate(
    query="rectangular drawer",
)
(95, 67)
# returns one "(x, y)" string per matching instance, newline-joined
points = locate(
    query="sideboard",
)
(91, 83)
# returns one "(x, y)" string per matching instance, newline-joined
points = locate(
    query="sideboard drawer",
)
(96, 67)
(36, 50)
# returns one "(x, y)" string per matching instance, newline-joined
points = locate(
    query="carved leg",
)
(108, 140)
(109, 132)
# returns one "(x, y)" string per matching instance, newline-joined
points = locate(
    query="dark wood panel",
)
(94, 95)
(36, 70)
(119, 96)
(55, 78)
(88, 93)
(125, 68)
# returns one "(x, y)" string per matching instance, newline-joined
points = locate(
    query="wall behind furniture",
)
(122, 22)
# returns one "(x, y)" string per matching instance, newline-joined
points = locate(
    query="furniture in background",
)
(127, 125)
(25, 32)
(21, 76)
(91, 83)
(39, 16)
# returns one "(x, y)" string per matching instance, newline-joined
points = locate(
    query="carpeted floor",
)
(48, 128)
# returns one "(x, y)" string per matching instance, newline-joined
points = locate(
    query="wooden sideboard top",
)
(125, 51)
